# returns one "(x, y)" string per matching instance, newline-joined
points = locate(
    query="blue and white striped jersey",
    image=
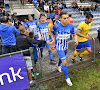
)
(25, 24)
(62, 34)
(43, 28)
(32, 25)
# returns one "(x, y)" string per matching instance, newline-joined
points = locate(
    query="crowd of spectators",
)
(3, 12)
(86, 9)
(51, 7)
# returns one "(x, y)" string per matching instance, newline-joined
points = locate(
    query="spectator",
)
(4, 12)
(81, 10)
(55, 1)
(85, 9)
(25, 22)
(13, 16)
(55, 6)
(88, 9)
(51, 9)
(43, 2)
(0, 10)
(92, 7)
(96, 7)
(41, 6)
(70, 20)
(63, 4)
(58, 10)
(7, 4)
(7, 36)
(1, 14)
(60, 5)
(17, 23)
(24, 42)
(22, 2)
(46, 8)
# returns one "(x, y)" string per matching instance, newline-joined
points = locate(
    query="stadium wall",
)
(28, 11)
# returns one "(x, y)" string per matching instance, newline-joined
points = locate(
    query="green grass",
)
(87, 78)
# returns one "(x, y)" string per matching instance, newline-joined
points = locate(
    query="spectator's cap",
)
(48, 17)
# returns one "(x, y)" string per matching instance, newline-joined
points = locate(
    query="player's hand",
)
(50, 43)
(88, 37)
(41, 38)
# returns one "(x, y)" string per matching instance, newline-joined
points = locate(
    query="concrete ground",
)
(48, 69)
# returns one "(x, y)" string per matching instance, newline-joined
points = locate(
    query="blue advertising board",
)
(13, 73)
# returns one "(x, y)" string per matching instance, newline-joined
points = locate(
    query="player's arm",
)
(74, 35)
(40, 38)
(85, 36)
(75, 39)
(38, 30)
(52, 31)
(52, 36)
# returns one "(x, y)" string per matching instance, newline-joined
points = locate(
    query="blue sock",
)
(59, 63)
(64, 68)
(50, 54)
(35, 54)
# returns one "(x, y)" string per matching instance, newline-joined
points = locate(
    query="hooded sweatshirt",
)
(7, 34)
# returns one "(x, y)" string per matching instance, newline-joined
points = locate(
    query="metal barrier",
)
(40, 59)
(93, 48)
(37, 87)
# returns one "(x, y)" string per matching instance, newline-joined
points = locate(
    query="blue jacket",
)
(7, 34)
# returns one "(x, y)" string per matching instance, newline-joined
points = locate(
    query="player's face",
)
(30, 18)
(48, 20)
(89, 20)
(42, 19)
(64, 19)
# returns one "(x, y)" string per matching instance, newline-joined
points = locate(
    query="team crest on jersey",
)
(68, 30)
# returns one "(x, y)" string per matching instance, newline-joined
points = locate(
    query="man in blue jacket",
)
(7, 36)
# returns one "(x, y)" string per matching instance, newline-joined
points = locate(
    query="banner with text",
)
(13, 74)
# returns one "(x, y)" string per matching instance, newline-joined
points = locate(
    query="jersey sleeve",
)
(73, 30)
(53, 29)
(38, 29)
(36, 22)
(27, 25)
(80, 26)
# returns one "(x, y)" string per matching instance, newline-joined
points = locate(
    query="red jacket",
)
(58, 10)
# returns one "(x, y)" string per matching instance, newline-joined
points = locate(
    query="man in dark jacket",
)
(24, 42)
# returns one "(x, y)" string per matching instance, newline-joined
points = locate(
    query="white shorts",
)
(28, 62)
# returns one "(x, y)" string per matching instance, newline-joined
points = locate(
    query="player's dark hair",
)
(62, 13)
(89, 15)
(42, 15)
(31, 34)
